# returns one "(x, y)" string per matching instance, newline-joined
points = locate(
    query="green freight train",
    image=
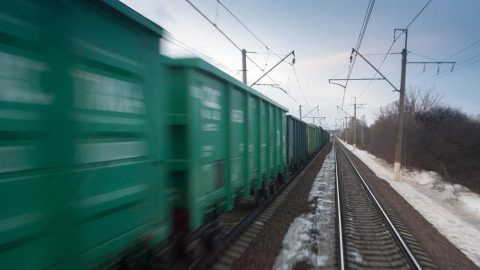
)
(82, 140)
(226, 139)
(112, 155)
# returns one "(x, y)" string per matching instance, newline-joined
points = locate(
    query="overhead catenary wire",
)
(361, 34)
(393, 43)
(418, 14)
(214, 25)
(269, 50)
(236, 46)
(463, 49)
(461, 65)
(187, 48)
(248, 29)
(424, 56)
(299, 86)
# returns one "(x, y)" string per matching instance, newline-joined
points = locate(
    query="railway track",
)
(370, 235)
(245, 222)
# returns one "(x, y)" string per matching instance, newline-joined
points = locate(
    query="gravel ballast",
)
(262, 253)
(264, 250)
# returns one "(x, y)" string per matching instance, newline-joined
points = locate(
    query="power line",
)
(214, 25)
(458, 66)
(365, 23)
(418, 14)
(255, 64)
(395, 40)
(194, 51)
(299, 86)
(465, 48)
(363, 29)
(253, 34)
(466, 63)
(247, 28)
(424, 56)
(234, 44)
(377, 54)
(269, 50)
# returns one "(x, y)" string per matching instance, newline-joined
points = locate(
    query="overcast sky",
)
(322, 34)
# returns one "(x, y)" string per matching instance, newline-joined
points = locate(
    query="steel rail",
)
(339, 213)
(385, 216)
(205, 262)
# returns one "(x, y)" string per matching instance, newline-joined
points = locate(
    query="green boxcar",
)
(221, 134)
(319, 137)
(325, 137)
(310, 139)
(296, 143)
(264, 126)
(253, 152)
(81, 98)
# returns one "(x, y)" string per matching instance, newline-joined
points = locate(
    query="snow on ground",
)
(311, 236)
(451, 208)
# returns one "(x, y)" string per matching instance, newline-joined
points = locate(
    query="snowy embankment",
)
(451, 208)
(311, 236)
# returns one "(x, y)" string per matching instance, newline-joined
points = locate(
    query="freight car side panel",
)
(86, 159)
(26, 108)
(208, 179)
(264, 141)
(311, 139)
(115, 111)
(279, 150)
(282, 147)
(302, 152)
(238, 140)
(297, 140)
(291, 137)
(290, 140)
(272, 139)
(253, 140)
(320, 137)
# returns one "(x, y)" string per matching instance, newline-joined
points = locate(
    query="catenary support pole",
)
(354, 123)
(355, 107)
(244, 65)
(398, 143)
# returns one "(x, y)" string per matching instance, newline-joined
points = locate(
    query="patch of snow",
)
(311, 236)
(472, 202)
(451, 208)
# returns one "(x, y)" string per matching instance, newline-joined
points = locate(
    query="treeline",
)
(437, 138)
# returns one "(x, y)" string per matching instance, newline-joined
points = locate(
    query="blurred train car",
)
(227, 142)
(81, 146)
(111, 152)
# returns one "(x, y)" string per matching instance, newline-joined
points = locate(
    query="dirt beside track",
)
(443, 253)
(263, 251)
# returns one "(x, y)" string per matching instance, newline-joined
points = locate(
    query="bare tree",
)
(436, 137)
